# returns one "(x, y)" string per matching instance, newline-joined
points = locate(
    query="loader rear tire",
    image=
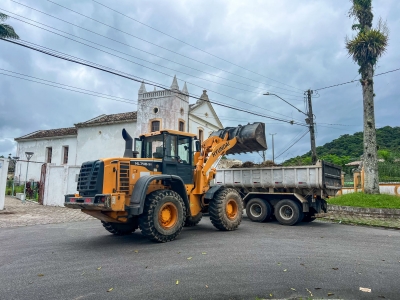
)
(288, 212)
(226, 209)
(193, 221)
(119, 228)
(163, 216)
(258, 210)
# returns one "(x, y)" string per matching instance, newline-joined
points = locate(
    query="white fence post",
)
(3, 180)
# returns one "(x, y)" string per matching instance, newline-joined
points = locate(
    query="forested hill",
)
(351, 146)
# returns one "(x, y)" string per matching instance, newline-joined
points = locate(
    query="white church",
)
(101, 137)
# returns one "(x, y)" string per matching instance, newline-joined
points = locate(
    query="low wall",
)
(384, 188)
(363, 211)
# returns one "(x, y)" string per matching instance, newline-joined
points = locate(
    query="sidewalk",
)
(18, 214)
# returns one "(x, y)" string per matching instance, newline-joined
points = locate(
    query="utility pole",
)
(310, 122)
(273, 153)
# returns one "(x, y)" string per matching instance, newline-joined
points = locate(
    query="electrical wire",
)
(191, 45)
(293, 144)
(141, 80)
(146, 41)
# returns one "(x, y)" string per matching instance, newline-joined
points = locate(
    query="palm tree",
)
(365, 48)
(6, 31)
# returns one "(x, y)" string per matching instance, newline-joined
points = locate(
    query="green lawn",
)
(365, 200)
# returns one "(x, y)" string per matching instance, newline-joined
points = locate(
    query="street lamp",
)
(270, 94)
(28, 157)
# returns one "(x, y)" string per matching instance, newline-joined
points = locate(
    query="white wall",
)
(60, 180)
(202, 118)
(38, 147)
(3, 180)
(102, 141)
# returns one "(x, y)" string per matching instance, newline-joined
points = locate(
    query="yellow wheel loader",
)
(163, 182)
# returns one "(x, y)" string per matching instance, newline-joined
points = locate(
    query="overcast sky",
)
(284, 47)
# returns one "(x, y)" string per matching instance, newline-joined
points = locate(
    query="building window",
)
(156, 110)
(65, 155)
(181, 126)
(155, 126)
(201, 135)
(49, 153)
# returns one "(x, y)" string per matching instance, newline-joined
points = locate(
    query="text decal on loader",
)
(220, 149)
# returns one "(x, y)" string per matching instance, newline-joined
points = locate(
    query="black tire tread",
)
(118, 228)
(193, 221)
(146, 220)
(217, 211)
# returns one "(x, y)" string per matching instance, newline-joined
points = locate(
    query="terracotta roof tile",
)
(114, 118)
(49, 133)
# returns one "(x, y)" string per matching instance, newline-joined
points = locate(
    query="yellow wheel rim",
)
(168, 215)
(231, 209)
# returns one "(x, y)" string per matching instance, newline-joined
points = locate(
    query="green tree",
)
(6, 31)
(365, 49)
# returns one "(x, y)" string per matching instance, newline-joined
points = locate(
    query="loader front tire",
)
(119, 228)
(193, 221)
(163, 216)
(226, 209)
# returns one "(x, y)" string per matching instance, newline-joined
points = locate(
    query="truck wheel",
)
(288, 212)
(163, 216)
(193, 221)
(119, 228)
(258, 210)
(226, 209)
(309, 217)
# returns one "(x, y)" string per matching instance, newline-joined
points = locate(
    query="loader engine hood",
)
(250, 138)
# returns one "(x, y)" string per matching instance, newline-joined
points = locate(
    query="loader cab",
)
(174, 149)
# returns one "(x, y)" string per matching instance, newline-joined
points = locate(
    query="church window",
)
(182, 111)
(155, 110)
(65, 155)
(201, 135)
(49, 152)
(181, 126)
(155, 126)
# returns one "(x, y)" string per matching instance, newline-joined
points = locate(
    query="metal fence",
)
(14, 187)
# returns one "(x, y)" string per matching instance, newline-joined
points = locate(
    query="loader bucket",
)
(250, 137)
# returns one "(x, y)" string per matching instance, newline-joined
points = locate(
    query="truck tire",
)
(163, 216)
(193, 221)
(226, 209)
(288, 212)
(119, 228)
(258, 210)
(309, 217)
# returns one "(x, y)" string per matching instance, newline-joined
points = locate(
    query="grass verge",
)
(366, 200)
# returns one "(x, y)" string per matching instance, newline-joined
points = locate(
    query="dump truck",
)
(289, 194)
(162, 182)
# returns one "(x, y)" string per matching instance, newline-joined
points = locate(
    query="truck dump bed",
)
(323, 175)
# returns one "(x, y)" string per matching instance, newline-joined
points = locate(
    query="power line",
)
(293, 144)
(331, 86)
(151, 68)
(141, 80)
(146, 41)
(192, 45)
(255, 87)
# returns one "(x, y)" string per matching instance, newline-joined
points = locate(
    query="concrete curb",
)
(363, 211)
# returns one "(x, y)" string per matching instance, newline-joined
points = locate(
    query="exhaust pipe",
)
(128, 144)
(250, 138)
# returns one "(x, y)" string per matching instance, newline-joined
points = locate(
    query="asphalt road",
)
(81, 260)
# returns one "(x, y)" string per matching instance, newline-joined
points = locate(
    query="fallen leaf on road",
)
(271, 295)
(136, 251)
(331, 294)
(383, 260)
(322, 237)
(301, 264)
(110, 289)
(317, 288)
(189, 258)
(204, 253)
(82, 273)
(177, 282)
(285, 270)
(206, 286)
(279, 264)
(40, 275)
(146, 267)
(98, 268)
(335, 268)
(293, 289)
(366, 290)
(309, 292)
(380, 296)
(30, 282)
(179, 252)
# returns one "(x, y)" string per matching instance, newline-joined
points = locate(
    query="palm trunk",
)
(370, 159)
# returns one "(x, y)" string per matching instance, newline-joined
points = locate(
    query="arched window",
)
(201, 135)
(155, 126)
(181, 126)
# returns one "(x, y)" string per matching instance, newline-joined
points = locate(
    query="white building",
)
(101, 136)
